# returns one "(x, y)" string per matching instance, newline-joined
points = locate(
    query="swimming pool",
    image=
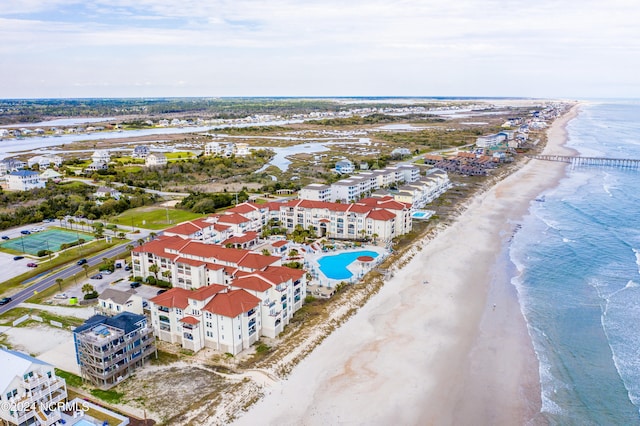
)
(335, 266)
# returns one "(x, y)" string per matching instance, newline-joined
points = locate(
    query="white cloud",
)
(277, 47)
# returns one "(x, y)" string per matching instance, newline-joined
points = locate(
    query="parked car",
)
(4, 237)
(37, 229)
(25, 232)
(81, 261)
(161, 291)
(127, 268)
(18, 257)
(106, 272)
(5, 300)
(32, 265)
(96, 277)
(135, 284)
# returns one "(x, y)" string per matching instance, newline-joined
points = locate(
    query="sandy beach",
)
(453, 351)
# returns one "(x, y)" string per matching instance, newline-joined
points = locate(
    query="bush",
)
(163, 284)
(151, 280)
(42, 253)
(293, 265)
(139, 279)
(92, 295)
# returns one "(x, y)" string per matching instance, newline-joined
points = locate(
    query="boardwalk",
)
(592, 161)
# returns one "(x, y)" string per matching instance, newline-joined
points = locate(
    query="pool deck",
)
(322, 286)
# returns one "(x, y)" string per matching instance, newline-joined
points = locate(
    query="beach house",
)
(101, 156)
(155, 159)
(140, 151)
(344, 167)
(112, 302)
(29, 390)
(24, 180)
(109, 349)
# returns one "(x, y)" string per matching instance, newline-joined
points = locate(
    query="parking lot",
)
(119, 280)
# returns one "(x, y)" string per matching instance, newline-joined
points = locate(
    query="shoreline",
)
(437, 353)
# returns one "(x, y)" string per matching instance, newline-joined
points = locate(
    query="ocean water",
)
(578, 257)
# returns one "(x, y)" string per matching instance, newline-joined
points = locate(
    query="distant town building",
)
(344, 167)
(24, 180)
(155, 159)
(101, 156)
(8, 165)
(141, 151)
(109, 349)
(45, 161)
(104, 192)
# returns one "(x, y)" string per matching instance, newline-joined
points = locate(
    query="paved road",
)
(64, 273)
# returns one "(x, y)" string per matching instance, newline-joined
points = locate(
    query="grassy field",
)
(154, 218)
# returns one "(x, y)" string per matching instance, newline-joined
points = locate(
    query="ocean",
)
(578, 260)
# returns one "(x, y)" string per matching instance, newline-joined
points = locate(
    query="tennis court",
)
(50, 239)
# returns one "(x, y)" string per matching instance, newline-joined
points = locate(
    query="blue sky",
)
(118, 48)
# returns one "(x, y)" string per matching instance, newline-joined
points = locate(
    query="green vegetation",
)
(58, 201)
(204, 203)
(71, 379)
(111, 396)
(154, 218)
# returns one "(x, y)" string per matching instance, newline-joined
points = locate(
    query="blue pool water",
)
(418, 214)
(335, 266)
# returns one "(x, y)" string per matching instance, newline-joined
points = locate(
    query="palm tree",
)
(265, 252)
(71, 222)
(59, 282)
(88, 288)
(166, 275)
(129, 247)
(154, 269)
(140, 241)
(374, 236)
(152, 235)
(86, 270)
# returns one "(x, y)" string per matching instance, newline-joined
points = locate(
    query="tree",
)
(374, 236)
(154, 269)
(167, 275)
(265, 252)
(87, 288)
(140, 241)
(71, 222)
(59, 282)
(86, 270)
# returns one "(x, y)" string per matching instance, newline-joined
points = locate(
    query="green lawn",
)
(183, 155)
(154, 218)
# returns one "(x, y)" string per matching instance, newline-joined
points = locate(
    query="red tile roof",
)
(381, 214)
(174, 298)
(232, 304)
(257, 261)
(204, 293)
(244, 208)
(248, 236)
(233, 218)
(186, 228)
(190, 320)
(252, 282)
(281, 243)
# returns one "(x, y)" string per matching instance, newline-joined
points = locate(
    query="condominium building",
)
(109, 349)
(29, 390)
(229, 318)
(194, 264)
(383, 217)
(361, 185)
